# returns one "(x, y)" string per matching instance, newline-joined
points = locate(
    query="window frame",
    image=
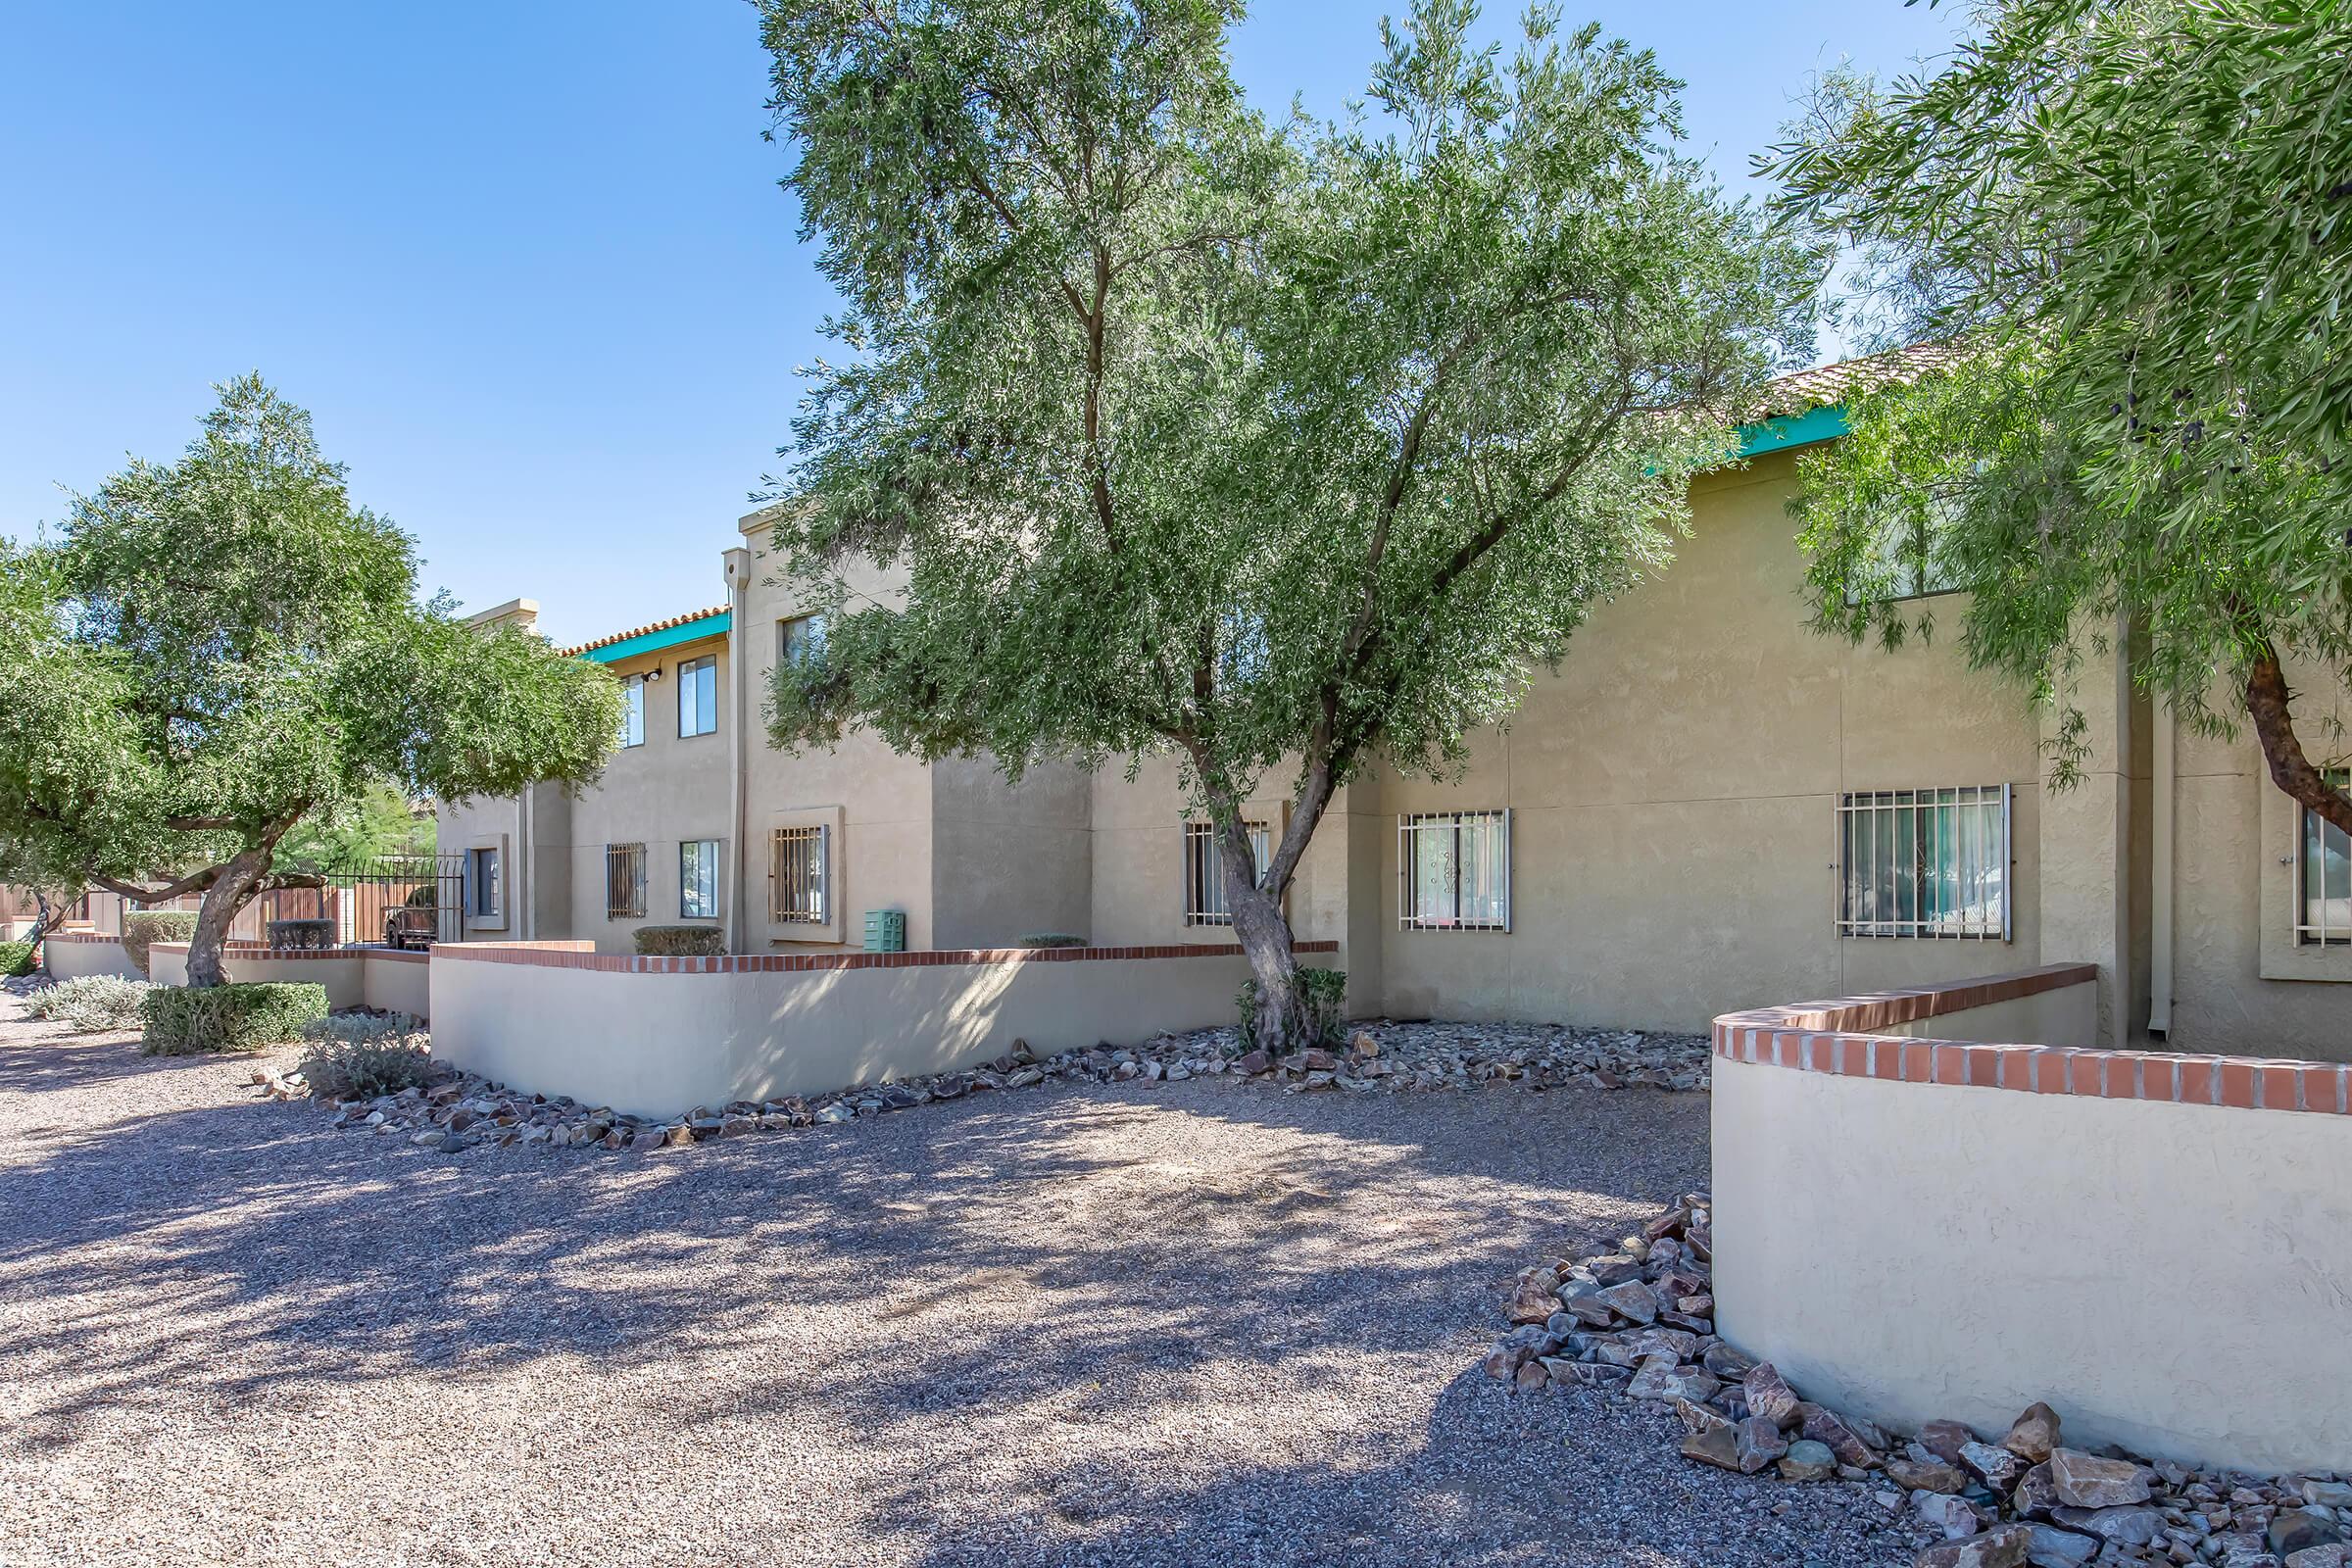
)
(1204, 868)
(2323, 934)
(485, 877)
(1410, 826)
(632, 711)
(820, 911)
(628, 860)
(1974, 865)
(690, 877)
(689, 671)
(814, 620)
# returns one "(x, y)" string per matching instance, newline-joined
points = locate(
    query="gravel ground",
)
(1197, 1323)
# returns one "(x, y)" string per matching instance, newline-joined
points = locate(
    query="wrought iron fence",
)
(408, 901)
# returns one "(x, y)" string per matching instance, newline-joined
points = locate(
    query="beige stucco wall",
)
(657, 1043)
(354, 977)
(1674, 790)
(71, 960)
(2240, 984)
(669, 791)
(343, 974)
(398, 983)
(1955, 1252)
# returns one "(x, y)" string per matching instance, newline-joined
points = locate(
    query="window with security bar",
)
(1454, 869)
(698, 879)
(1930, 862)
(1204, 870)
(2324, 877)
(624, 881)
(798, 874)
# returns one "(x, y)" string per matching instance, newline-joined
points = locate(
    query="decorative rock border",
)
(456, 1109)
(1638, 1321)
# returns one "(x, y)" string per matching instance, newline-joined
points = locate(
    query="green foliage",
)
(1049, 939)
(143, 928)
(1322, 1002)
(1274, 445)
(183, 1021)
(681, 941)
(15, 958)
(93, 1003)
(360, 1056)
(2130, 220)
(214, 649)
(382, 823)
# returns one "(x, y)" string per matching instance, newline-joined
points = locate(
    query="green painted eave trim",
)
(653, 642)
(1825, 423)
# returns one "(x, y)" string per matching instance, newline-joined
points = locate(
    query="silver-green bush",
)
(93, 1003)
(360, 1056)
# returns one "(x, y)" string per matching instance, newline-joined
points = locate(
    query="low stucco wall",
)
(2158, 1244)
(71, 954)
(655, 1036)
(354, 977)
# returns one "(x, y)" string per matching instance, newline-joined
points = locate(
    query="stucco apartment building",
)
(1710, 807)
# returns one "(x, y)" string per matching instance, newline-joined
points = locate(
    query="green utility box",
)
(886, 930)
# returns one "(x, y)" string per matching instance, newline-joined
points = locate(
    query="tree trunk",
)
(2267, 701)
(228, 894)
(1279, 1023)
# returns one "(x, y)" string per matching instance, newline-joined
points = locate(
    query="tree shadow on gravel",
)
(1050, 1258)
(1565, 1479)
(58, 1059)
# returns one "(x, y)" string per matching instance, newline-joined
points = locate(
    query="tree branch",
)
(2267, 702)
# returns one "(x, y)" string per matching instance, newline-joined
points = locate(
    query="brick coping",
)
(81, 935)
(576, 955)
(263, 950)
(1838, 1038)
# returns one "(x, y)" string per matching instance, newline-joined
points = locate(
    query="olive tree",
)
(2131, 222)
(1281, 447)
(217, 649)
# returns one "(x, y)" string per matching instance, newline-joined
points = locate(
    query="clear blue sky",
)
(528, 263)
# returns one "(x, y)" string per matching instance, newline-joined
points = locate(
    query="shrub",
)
(143, 928)
(1322, 996)
(182, 1022)
(1049, 939)
(15, 958)
(360, 1056)
(681, 941)
(95, 1004)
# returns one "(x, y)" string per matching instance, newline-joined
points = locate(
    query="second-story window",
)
(798, 639)
(698, 697)
(632, 710)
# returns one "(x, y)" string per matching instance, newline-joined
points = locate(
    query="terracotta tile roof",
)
(1825, 384)
(645, 631)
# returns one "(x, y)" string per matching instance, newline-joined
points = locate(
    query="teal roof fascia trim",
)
(1824, 424)
(653, 642)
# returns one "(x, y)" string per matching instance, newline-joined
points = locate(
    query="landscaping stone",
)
(2067, 1509)
(2050, 1546)
(2034, 1433)
(1808, 1460)
(2086, 1480)
(2005, 1547)
(1945, 1439)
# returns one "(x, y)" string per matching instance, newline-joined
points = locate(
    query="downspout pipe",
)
(737, 565)
(2160, 878)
